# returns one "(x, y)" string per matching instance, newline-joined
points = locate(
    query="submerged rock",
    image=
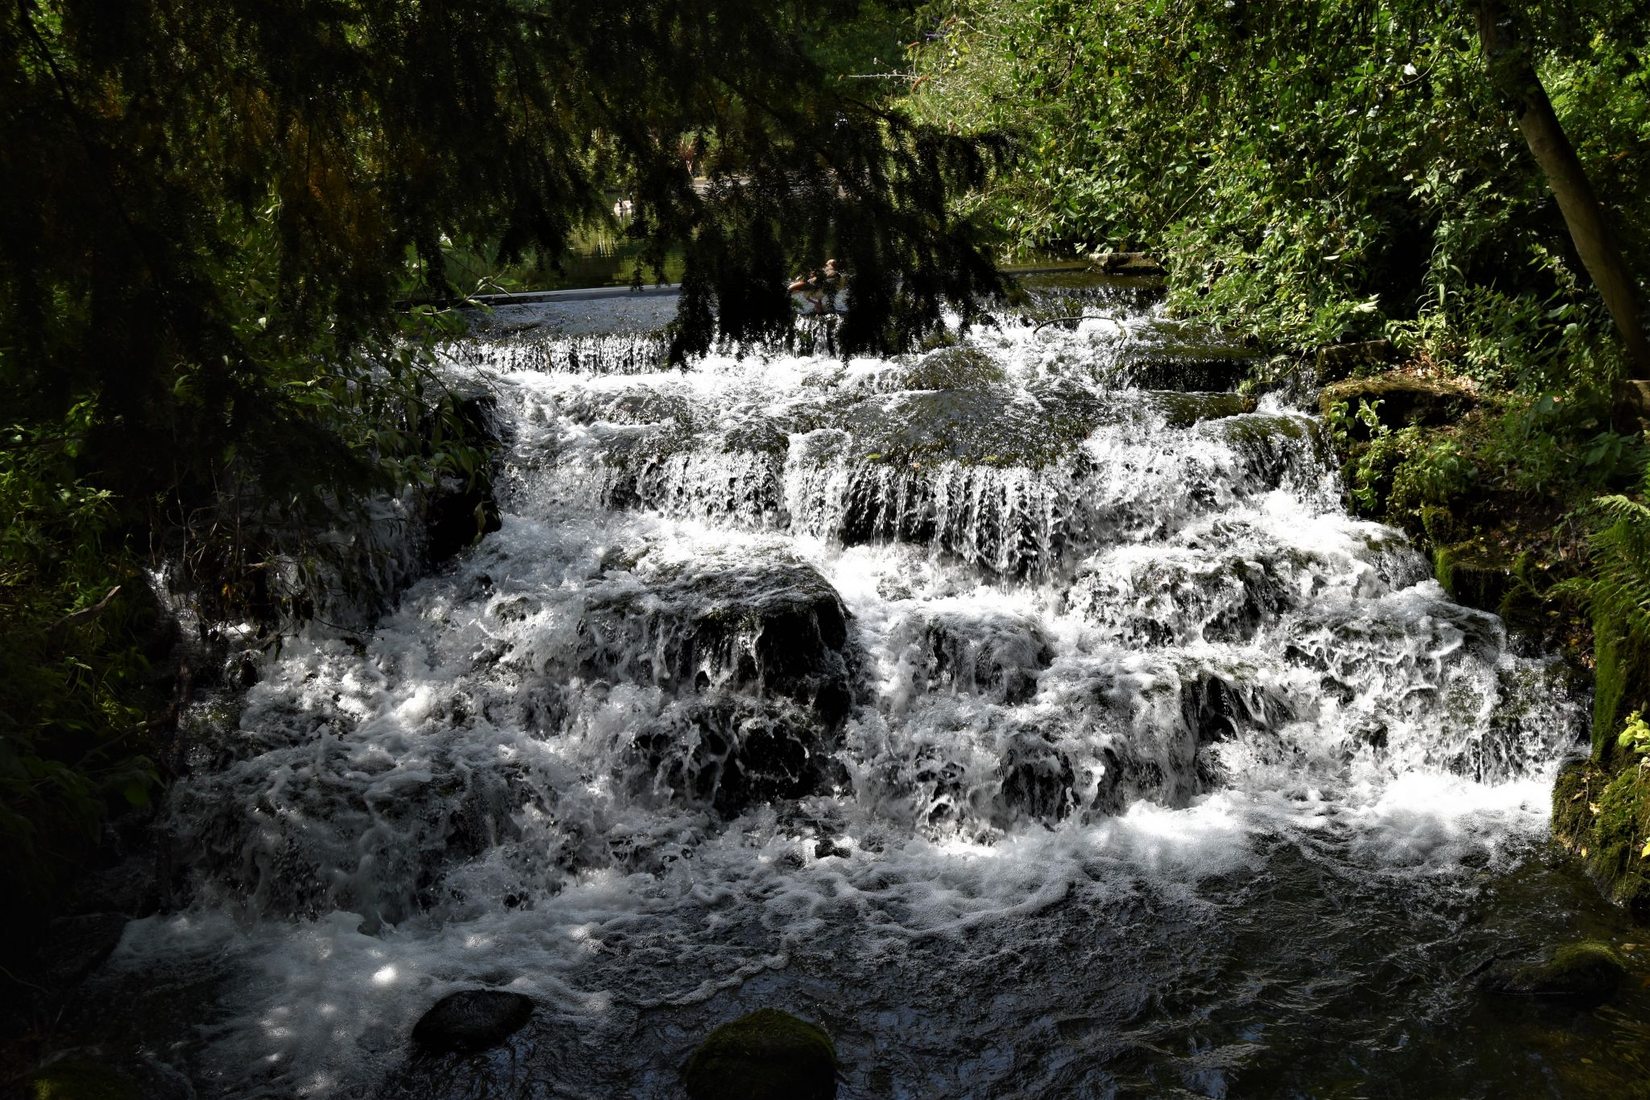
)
(1217, 704)
(81, 1079)
(995, 655)
(766, 1055)
(733, 752)
(472, 1019)
(1582, 974)
(1038, 781)
(962, 366)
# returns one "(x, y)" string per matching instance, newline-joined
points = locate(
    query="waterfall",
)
(985, 703)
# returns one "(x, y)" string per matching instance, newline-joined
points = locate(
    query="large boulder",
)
(775, 629)
(766, 1055)
(472, 1019)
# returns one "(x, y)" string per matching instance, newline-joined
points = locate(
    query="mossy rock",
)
(1441, 526)
(961, 367)
(987, 426)
(1182, 409)
(766, 1055)
(1335, 362)
(759, 435)
(1133, 264)
(1604, 817)
(1399, 400)
(1473, 578)
(80, 1079)
(1580, 974)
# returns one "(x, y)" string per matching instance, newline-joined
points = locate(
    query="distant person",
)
(819, 291)
(830, 283)
(808, 291)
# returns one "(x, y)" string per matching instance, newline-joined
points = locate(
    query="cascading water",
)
(1036, 733)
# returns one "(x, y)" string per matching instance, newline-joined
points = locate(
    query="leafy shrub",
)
(1561, 442)
(72, 705)
(1313, 174)
(1616, 590)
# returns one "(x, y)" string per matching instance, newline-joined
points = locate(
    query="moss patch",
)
(767, 1055)
(1603, 814)
(77, 1079)
(1580, 974)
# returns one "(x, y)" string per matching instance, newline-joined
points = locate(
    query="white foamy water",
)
(793, 681)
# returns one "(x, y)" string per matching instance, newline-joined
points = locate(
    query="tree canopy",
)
(216, 204)
(1316, 172)
(215, 207)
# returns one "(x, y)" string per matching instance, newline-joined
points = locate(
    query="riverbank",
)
(1503, 492)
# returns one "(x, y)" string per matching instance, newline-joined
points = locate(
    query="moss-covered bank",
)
(1602, 813)
(1529, 507)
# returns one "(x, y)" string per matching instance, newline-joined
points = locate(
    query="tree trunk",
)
(1513, 74)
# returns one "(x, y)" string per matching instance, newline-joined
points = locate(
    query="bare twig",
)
(87, 612)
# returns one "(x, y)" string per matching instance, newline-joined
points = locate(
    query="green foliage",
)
(1634, 738)
(1616, 591)
(1560, 443)
(1552, 446)
(1391, 472)
(1318, 172)
(1434, 473)
(210, 247)
(74, 718)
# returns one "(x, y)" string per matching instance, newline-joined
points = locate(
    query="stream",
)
(1030, 713)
